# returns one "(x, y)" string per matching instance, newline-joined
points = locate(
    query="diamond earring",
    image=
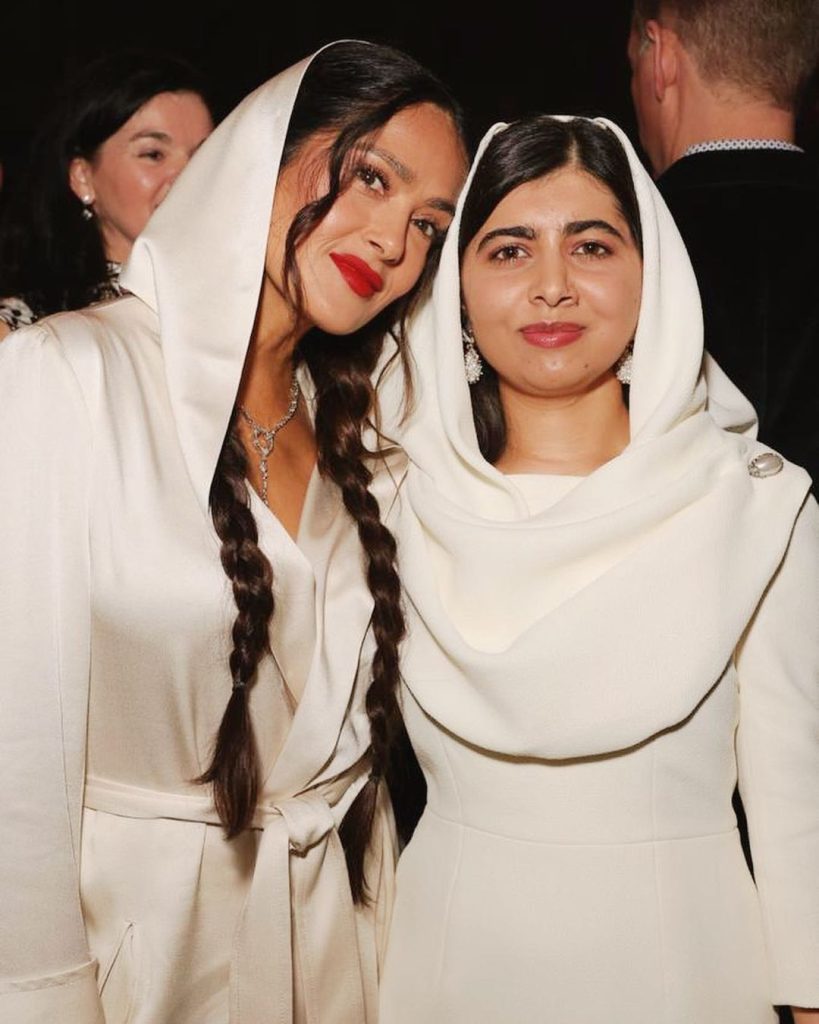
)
(472, 358)
(622, 368)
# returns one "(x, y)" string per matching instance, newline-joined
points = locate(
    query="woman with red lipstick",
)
(612, 594)
(203, 610)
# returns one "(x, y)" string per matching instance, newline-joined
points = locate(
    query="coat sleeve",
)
(778, 759)
(46, 971)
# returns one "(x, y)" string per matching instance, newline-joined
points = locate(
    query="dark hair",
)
(525, 151)
(769, 49)
(50, 256)
(352, 89)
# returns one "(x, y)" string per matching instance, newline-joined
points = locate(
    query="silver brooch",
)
(765, 464)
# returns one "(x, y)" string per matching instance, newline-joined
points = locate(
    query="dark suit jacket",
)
(750, 220)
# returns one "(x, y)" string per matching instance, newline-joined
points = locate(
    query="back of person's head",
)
(50, 254)
(766, 48)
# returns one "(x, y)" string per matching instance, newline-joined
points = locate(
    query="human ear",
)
(665, 45)
(80, 180)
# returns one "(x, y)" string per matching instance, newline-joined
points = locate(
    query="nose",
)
(552, 281)
(387, 234)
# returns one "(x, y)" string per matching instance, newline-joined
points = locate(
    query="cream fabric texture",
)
(120, 899)
(584, 685)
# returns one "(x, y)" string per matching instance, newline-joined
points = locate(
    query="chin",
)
(341, 321)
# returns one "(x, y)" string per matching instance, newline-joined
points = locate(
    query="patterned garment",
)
(16, 312)
(730, 145)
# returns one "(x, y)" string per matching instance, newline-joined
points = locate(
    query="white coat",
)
(585, 679)
(120, 898)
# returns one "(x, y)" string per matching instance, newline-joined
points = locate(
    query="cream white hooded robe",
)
(584, 682)
(119, 897)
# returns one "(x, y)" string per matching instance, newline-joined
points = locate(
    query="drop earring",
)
(472, 358)
(622, 368)
(87, 212)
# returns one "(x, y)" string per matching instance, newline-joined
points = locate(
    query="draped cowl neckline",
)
(675, 539)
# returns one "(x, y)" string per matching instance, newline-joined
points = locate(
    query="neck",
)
(568, 435)
(116, 248)
(709, 115)
(268, 371)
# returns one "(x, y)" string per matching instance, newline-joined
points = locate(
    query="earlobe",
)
(79, 180)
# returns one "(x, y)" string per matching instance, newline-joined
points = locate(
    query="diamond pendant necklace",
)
(263, 438)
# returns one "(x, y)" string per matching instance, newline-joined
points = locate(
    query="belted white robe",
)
(119, 897)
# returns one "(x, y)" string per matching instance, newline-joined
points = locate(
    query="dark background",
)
(552, 57)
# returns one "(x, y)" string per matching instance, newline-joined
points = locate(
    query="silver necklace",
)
(263, 438)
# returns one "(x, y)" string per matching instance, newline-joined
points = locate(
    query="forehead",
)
(173, 113)
(420, 143)
(426, 142)
(569, 194)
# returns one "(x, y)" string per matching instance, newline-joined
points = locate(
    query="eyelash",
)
(599, 252)
(155, 155)
(429, 229)
(508, 254)
(369, 175)
(511, 253)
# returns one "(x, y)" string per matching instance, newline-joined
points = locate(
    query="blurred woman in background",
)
(100, 165)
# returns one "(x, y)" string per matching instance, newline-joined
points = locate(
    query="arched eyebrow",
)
(518, 231)
(159, 136)
(574, 227)
(408, 176)
(577, 227)
(404, 173)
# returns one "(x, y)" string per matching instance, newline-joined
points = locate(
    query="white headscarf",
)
(655, 562)
(199, 265)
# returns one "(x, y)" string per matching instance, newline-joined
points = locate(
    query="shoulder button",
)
(765, 464)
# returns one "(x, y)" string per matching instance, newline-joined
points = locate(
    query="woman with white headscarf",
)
(130, 436)
(612, 612)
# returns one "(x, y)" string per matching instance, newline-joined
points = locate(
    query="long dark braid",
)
(234, 768)
(353, 89)
(345, 400)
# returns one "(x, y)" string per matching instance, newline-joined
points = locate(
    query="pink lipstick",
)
(551, 335)
(358, 274)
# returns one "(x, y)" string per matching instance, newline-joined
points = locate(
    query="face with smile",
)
(551, 285)
(371, 247)
(132, 171)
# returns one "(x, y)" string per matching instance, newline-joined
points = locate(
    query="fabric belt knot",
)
(308, 818)
(296, 952)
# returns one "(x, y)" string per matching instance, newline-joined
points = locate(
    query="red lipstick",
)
(358, 274)
(552, 335)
